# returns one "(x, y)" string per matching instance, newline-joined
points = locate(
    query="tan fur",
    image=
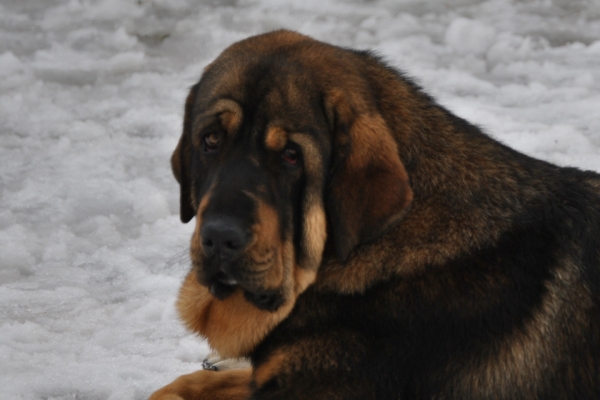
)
(208, 385)
(316, 233)
(276, 139)
(274, 365)
(232, 327)
(315, 219)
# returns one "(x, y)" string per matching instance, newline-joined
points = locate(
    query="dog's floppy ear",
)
(368, 187)
(180, 161)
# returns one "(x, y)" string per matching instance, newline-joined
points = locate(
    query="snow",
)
(91, 97)
(467, 36)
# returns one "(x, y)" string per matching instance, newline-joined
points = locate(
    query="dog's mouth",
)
(222, 286)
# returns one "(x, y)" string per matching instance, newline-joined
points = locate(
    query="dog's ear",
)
(368, 188)
(181, 163)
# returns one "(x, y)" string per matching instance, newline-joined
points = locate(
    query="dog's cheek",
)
(315, 235)
(312, 220)
(196, 245)
(277, 287)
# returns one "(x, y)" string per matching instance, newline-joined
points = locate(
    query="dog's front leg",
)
(209, 385)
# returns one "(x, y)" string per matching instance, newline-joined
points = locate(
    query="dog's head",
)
(283, 157)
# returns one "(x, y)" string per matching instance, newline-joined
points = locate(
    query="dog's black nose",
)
(223, 237)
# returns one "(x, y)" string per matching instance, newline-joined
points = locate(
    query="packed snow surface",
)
(91, 98)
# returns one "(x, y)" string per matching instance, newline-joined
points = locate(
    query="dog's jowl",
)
(355, 240)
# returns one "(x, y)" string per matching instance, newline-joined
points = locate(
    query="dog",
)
(356, 240)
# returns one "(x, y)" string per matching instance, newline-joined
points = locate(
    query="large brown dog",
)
(355, 240)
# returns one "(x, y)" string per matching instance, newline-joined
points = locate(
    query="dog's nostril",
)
(231, 245)
(207, 243)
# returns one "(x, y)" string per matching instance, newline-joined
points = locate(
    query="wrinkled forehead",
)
(269, 88)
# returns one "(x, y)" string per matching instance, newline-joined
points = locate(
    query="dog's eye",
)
(211, 142)
(290, 156)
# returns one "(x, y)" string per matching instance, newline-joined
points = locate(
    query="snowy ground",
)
(91, 93)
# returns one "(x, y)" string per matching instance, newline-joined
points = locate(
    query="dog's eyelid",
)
(204, 127)
(291, 153)
(211, 140)
(291, 148)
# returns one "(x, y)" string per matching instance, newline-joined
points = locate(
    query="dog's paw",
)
(207, 385)
(214, 362)
(165, 397)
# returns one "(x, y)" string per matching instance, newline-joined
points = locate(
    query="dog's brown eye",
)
(290, 156)
(211, 142)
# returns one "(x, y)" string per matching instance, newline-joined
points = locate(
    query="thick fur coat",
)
(356, 240)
